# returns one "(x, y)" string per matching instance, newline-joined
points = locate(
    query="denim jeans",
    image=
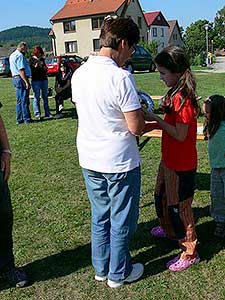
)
(22, 101)
(218, 194)
(6, 224)
(114, 199)
(40, 88)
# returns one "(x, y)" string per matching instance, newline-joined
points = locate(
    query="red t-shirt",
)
(180, 156)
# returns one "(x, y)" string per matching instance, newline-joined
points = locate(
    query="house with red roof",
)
(158, 28)
(76, 26)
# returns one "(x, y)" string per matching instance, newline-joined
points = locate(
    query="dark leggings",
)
(6, 225)
(61, 96)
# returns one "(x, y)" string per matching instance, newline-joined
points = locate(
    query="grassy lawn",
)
(52, 214)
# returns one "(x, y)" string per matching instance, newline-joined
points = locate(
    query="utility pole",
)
(207, 42)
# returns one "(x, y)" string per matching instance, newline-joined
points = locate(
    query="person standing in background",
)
(39, 82)
(21, 72)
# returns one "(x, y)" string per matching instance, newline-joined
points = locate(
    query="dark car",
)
(53, 63)
(4, 66)
(141, 60)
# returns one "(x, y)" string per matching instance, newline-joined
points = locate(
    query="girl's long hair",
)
(216, 104)
(173, 58)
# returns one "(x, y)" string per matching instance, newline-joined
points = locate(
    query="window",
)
(158, 18)
(154, 31)
(97, 22)
(175, 36)
(96, 45)
(69, 26)
(162, 32)
(139, 22)
(71, 47)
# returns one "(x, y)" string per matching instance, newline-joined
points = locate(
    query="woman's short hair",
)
(116, 29)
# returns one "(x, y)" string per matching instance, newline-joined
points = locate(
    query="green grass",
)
(52, 214)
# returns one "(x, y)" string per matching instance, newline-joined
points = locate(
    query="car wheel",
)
(130, 68)
(152, 68)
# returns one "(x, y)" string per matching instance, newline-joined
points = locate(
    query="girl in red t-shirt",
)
(176, 176)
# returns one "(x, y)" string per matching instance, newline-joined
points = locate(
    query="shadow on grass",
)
(60, 264)
(203, 181)
(158, 250)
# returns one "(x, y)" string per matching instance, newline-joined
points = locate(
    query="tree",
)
(219, 29)
(151, 46)
(195, 38)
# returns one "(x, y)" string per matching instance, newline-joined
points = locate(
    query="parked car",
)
(141, 60)
(53, 63)
(4, 66)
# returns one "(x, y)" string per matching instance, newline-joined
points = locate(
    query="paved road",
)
(219, 65)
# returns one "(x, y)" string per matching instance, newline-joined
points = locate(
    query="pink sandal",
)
(183, 264)
(172, 261)
(158, 232)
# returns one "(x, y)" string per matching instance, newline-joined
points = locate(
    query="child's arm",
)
(151, 126)
(179, 131)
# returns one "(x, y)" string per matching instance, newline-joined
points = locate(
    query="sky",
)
(37, 13)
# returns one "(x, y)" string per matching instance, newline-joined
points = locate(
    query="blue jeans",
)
(6, 224)
(114, 201)
(22, 101)
(40, 88)
(218, 194)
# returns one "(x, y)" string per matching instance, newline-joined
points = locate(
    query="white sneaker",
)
(100, 278)
(60, 107)
(136, 273)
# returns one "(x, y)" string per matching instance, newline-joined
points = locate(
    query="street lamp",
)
(207, 43)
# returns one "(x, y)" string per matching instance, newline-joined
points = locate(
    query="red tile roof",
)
(151, 18)
(78, 8)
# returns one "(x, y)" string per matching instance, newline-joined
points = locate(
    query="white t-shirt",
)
(103, 92)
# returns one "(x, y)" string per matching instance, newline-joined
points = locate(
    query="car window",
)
(136, 53)
(72, 59)
(51, 60)
(79, 59)
(143, 52)
(64, 59)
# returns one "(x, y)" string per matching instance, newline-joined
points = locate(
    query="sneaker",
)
(59, 116)
(60, 107)
(220, 230)
(172, 261)
(16, 277)
(183, 264)
(49, 116)
(100, 278)
(38, 117)
(158, 232)
(136, 273)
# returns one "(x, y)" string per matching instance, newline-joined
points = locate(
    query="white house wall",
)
(134, 11)
(84, 36)
(175, 38)
(162, 41)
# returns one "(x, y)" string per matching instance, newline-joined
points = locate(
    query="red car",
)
(53, 63)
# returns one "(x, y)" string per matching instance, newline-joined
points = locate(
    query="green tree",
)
(219, 29)
(151, 46)
(195, 39)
